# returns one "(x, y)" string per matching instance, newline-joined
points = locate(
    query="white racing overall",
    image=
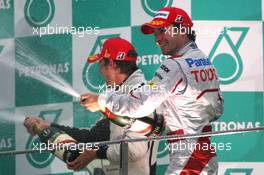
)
(141, 155)
(185, 89)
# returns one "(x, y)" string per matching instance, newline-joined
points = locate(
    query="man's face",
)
(168, 40)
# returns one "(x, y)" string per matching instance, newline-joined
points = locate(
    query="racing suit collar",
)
(136, 73)
(133, 78)
(190, 45)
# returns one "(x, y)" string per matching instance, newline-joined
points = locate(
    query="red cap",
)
(115, 49)
(166, 16)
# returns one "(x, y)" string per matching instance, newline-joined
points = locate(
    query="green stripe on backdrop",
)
(226, 10)
(7, 142)
(242, 110)
(7, 19)
(101, 13)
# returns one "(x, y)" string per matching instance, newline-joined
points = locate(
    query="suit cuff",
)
(101, 152)
(102, 100)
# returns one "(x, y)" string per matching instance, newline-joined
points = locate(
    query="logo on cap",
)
(156, 22)
(106, 54)
(179, 18)
(162, 14)
(121, 56)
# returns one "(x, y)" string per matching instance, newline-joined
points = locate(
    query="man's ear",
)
(113, 64)
(115, 67)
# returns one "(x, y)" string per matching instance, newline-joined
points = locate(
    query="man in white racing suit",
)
(117, 60)
(188, 93)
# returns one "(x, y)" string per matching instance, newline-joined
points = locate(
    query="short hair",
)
(126, 67)
(190, 33)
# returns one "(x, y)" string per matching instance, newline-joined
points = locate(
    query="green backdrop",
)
(54, 37)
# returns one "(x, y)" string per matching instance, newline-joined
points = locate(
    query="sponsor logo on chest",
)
(201, 69)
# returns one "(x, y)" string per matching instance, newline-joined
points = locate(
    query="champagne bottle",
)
(51, 135)
(146, 126)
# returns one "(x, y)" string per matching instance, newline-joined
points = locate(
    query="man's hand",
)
(29, 122)
(90, 102)
(82, 160)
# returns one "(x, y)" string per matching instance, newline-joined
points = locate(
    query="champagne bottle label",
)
(58, 139)
(63, 140)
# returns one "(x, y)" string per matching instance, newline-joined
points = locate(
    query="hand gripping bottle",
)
(55, 137)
